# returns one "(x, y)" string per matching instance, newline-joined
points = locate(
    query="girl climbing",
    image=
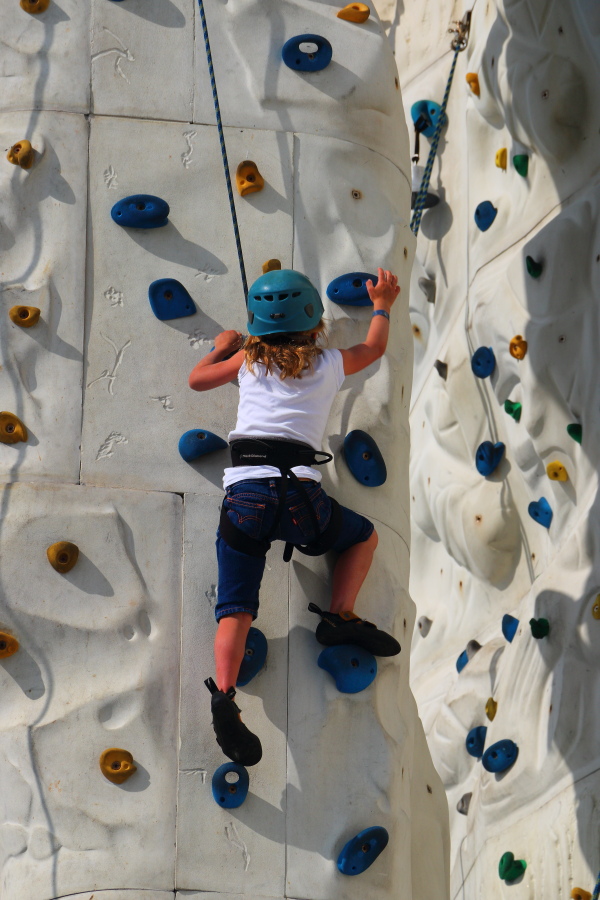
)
(287, 386)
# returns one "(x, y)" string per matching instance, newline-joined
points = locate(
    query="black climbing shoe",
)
(347, 628)
(235, 740)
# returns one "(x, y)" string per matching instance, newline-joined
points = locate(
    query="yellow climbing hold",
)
(502, 158)
(473, 82)
(24, 316)
(21, 154)
(491, 708)
(62, 556)
(12, 429)
(248, 179)
(580, 894)
(596, 607)
(8, 645)
(355, 12)
(556, 471)
(271, 265)
(117, 765)
(518, 347)
(35, 6)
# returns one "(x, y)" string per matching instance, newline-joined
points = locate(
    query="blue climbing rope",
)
(213, 85)
(596, 893)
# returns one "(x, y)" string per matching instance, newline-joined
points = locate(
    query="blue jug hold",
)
(475, 741)
(488, 457)
(485, 214)
(362, 850)
(509, 627)
(483, 362)
(307, 58)
(541, 511)
(350, 289)
(364, 458)
(352, 668)
(198, 442)
(228, 790)
(170, 300)
(255, 656)
(500, 756)
(140, 211)
(426, 115)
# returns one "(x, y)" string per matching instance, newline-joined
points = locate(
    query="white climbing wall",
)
(476, 553)
(115, 98)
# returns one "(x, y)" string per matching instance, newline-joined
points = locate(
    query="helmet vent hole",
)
(283, 296)
(295, 293)
(268, 296)
(257, 297)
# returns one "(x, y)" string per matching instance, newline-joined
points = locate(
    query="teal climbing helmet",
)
(281, 301)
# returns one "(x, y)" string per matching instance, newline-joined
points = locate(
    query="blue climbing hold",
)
(483, 362)
(170, 300)
(350, 289)
(364, 458)
(509, 627)
(485, 214)
(298, 54)
(255, 655)
(362, 850)
(462, 660)
(500, 756)
(476, 740)
(489, 457)
(426, 115)
(541, 511)
(140, 211)
(196, 443)
(228, 790)
(352, 668)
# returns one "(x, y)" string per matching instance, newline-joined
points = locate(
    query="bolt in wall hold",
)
(463, 804)
(540, 628)
(62, 556)
(541, 511)
(476, 740)
(579, 894)
(117, 765)
(491, 708)
(197, 442)
(534, 268)
(521, 164)
(21, 154)
(8, 645)
(500, 756)
(230, 784)
(24, 316)
(424, 625)
(441, 368)
(556, 471)
(485, 213)
(140, 211)
(518, 347)
(12, 430)
(472, 79)
(509, 868)
(509, 627)
(575, 431)
(513, 409)
(501, 159)
(596, 607)
(170, 300)
(364, 458)
(483, 362)
(426, 115)
(271, 265)
(351, 289)
(34, 6)
(352, 668)
(355, 12)
(255, 655)
(307, 53)
(248, 179)
(362, 850)
(488, 457)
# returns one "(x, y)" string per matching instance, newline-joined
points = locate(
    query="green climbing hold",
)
(534, 268)
(540, 628)
(510, 868)
(521, 164)
(513, 409)
(575, 431)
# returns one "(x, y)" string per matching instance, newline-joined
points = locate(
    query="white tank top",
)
(295, 408)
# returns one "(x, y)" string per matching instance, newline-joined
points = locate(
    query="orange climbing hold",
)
(271, 265)
(596, 607)
(355, 12)
(35, 6)
(12, 429)
(491, 708)
(556, 471)
(117, 765)
(518, 347)
(502, 158)
(24, 316)
(62, 556)
(248, 179)
(472, 79)
(8, 645)
(21, 154)
(580, 894)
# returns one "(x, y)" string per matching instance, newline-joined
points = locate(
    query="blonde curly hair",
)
(288, 354)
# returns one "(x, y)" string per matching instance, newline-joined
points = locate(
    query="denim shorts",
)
(251, 506)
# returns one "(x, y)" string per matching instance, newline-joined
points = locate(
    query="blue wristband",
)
(381, 312)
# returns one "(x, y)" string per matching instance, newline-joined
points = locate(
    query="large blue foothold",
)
(364, 458)
(476, 740)
(170, 300)
(509, 627)
(485, 214)
(489, 457)
(196, 443)
(350, 289)
(230, 793)
(541, 511)
(500, 756)
(483, 362)
(426, 115)
(255, 655)
(361, 851)
(140, 211)
(307, 60)
(352, 668)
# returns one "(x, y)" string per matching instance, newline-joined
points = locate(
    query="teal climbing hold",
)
(230, 785)
(488, 457)
(364, 459)
(540, 628)
(170, 300)
(483, 362)
(534, 268)
(476, 740)
(513, 409)
(500, 756)
(485, 213)
(255, 655)
(509, 868)
(307, 53)
(352, 668)
(575, 431)
(463, 804)
(541, 511)
(426, 115)
(140, 211)
(521, 163)
(362, 850)
(351, 289)
(198, 442)
(509, 627)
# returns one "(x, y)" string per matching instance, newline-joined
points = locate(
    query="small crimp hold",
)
(424, 624)
(502, 158)
(355, 12)
(491, 708)
(513, 409)
(472, 79)
(521, 164)
(24, 316)
(476, 740)
(540, 628)
(248, 179)
(575, 431)
(579, 894)
(22, 154)
(12, 430)
(510, 868)
(8, 645)
(488, 457)
(117, 765)
(62, 556)
(534, 268)
(271, 265)
(518, 347)
(541, 511)
(441, 368)
(34, 6)
(556, 471)
(483, 362)
(463, 804)
(509, 627)
(485, 213)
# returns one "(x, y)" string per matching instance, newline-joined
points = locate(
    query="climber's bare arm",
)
(214, 370)
(383, 294)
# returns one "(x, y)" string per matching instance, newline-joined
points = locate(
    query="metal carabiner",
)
(461, 32)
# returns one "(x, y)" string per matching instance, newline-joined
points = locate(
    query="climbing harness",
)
(284, 455)
(459, 42)
(213, 85)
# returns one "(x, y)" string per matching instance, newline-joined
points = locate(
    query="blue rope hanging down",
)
(213, 85)
(596, 893)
